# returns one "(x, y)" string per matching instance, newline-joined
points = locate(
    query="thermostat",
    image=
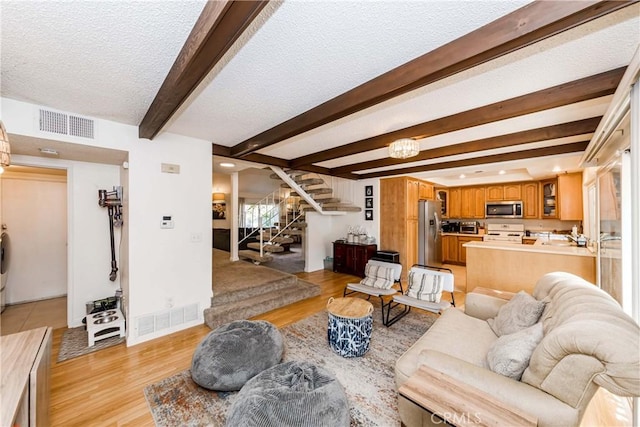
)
(167, 222)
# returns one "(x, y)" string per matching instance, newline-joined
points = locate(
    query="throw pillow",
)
(509, 355)
(378, 276)
(520, 312)
(426, 287)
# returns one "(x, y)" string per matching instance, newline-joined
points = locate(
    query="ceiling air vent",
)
(66, 124)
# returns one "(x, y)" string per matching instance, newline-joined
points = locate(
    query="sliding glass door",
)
(610, 226)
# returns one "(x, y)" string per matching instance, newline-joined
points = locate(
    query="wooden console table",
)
(458, 403)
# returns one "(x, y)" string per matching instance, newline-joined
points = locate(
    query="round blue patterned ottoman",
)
(350, 325)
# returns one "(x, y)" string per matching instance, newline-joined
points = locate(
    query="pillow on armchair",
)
(378, 276)
(425, 286)
(519, 313)
(509, 355)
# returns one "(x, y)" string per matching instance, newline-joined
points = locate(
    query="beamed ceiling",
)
(326, 86)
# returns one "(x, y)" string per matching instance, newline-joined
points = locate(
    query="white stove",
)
(504, 233)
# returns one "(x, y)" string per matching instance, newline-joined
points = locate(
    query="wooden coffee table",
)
(460, 404)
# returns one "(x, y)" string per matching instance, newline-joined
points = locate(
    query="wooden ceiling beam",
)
(580, 127)
(523, 27)
(575, 147)
(220, 24)
(564, 94)
(222, 151)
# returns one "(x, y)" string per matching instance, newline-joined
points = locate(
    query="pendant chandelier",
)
(5, 148)
(404, 148)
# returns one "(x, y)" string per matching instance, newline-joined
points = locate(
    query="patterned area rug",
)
(75, 341)
(368, 380)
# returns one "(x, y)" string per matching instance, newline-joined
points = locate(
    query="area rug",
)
(75, 341)
(368, 380)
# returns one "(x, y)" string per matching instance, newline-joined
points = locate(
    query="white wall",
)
(323, 230)
(164, 267)
(34, 208)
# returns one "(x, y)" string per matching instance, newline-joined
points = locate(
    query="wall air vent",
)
(66, 124)
(167, 318)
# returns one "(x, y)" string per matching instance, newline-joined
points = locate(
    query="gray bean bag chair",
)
(291, 394)
(234, 353)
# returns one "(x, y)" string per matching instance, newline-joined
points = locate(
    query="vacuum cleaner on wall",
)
(112, 200)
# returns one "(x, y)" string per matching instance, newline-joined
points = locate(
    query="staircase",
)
(299, 193)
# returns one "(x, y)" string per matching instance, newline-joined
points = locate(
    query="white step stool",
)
(105, 324)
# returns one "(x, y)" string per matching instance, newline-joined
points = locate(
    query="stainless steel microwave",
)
(505, 209)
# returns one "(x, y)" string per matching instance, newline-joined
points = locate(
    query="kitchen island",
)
(514, 267)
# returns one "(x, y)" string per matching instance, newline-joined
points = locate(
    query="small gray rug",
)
(75, 341)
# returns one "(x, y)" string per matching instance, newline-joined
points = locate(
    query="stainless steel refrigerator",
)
(429, 239)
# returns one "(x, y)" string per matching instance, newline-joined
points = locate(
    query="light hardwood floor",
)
(106, 388)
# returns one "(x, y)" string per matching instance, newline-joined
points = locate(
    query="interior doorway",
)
(33, 208)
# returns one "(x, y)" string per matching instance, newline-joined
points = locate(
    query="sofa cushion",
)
(519, 313)
(509, 355)
(454, 333)
(378, 276)
(425, 286)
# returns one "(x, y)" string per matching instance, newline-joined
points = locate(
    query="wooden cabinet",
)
(453, 251)
(530, 200)
(455, 202)
(425, 190)
(442, 194)
(570, 197)
(548, 199)
(561, 197)
(495, 193)
(413, 196)
(462, 251)
(472, 202)
(450, 249)
(26, 367)
(351, 258)
(511, 191)
(399, 199)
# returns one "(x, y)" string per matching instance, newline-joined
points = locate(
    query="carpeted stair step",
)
(265, 247)
(254, 256)
(270, 281)
(326, 200)
(250, 307)
(343, 208)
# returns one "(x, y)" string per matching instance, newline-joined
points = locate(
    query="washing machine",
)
(4, 267)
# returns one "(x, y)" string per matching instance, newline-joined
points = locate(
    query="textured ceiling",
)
(107, 59)
(102, 59)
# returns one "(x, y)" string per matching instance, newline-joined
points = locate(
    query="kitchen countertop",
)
(462, 234)
(541, 246)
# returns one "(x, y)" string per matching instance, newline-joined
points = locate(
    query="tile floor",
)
(30, 315)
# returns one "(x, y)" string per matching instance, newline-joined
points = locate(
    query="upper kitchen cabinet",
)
(561, 197)
(472, 202)
(455, 202)
(570, 197)
(548, 198)
(442, 194)
(512, 192)
(530, 200)
(495, 193)
(425, 190)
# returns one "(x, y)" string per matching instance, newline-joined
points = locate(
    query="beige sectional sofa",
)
(588, 341)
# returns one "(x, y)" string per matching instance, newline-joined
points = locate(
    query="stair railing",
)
(275, 204)
(302, 193)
